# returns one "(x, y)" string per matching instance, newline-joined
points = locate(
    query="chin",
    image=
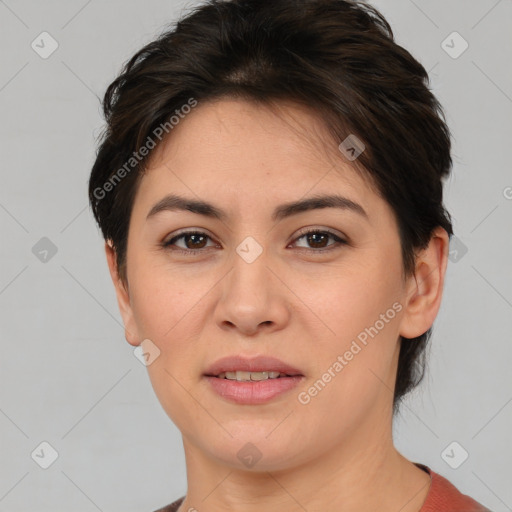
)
(252, 451)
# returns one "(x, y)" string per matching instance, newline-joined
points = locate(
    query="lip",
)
(253, 364)
(252, 392)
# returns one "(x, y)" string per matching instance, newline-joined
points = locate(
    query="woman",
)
(269, 187)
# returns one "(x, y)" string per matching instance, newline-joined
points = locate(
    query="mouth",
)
(251, 381)
(243, 376)
(251, 368)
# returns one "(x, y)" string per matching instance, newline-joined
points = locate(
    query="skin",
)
(336, 452)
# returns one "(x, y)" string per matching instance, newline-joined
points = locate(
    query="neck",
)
(362, 474)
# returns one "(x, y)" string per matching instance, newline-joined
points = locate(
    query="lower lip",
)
(253, 392)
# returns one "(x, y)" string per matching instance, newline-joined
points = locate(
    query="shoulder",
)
(443, 496)
(172, 507)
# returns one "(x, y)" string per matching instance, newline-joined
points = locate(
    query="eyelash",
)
(192, 252)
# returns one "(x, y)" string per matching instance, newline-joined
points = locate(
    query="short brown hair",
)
(339, 58)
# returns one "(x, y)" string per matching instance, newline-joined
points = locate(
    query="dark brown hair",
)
(337, 57)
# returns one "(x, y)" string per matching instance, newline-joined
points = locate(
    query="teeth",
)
(247, 376)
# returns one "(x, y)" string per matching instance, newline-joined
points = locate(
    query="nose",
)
(252, 297)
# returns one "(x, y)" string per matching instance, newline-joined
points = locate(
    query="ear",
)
(123, 298)
(424, 289)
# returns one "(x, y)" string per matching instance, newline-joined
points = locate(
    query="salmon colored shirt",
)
(442, 497)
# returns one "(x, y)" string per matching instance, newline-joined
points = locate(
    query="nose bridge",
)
(250, 296)
(249, 279)
(249, 250)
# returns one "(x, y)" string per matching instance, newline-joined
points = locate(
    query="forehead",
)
(245, 152)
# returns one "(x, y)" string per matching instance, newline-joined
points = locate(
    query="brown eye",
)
(193, 240)
(317, 240)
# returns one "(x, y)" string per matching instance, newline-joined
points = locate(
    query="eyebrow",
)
(174, 202)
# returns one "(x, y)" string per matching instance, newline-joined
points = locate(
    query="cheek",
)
(166, 311)
(354, 370)
(357, 337)
(343, 302)
(164, 299)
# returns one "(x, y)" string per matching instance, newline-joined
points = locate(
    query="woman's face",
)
(329, 305)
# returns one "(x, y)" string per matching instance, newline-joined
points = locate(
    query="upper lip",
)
(250, 364)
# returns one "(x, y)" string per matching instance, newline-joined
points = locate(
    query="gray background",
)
(68, 377)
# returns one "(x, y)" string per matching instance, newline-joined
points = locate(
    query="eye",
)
(317, 238)
(194, 242)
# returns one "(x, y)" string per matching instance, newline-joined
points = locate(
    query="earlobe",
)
(424, 289)
(123, 298)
